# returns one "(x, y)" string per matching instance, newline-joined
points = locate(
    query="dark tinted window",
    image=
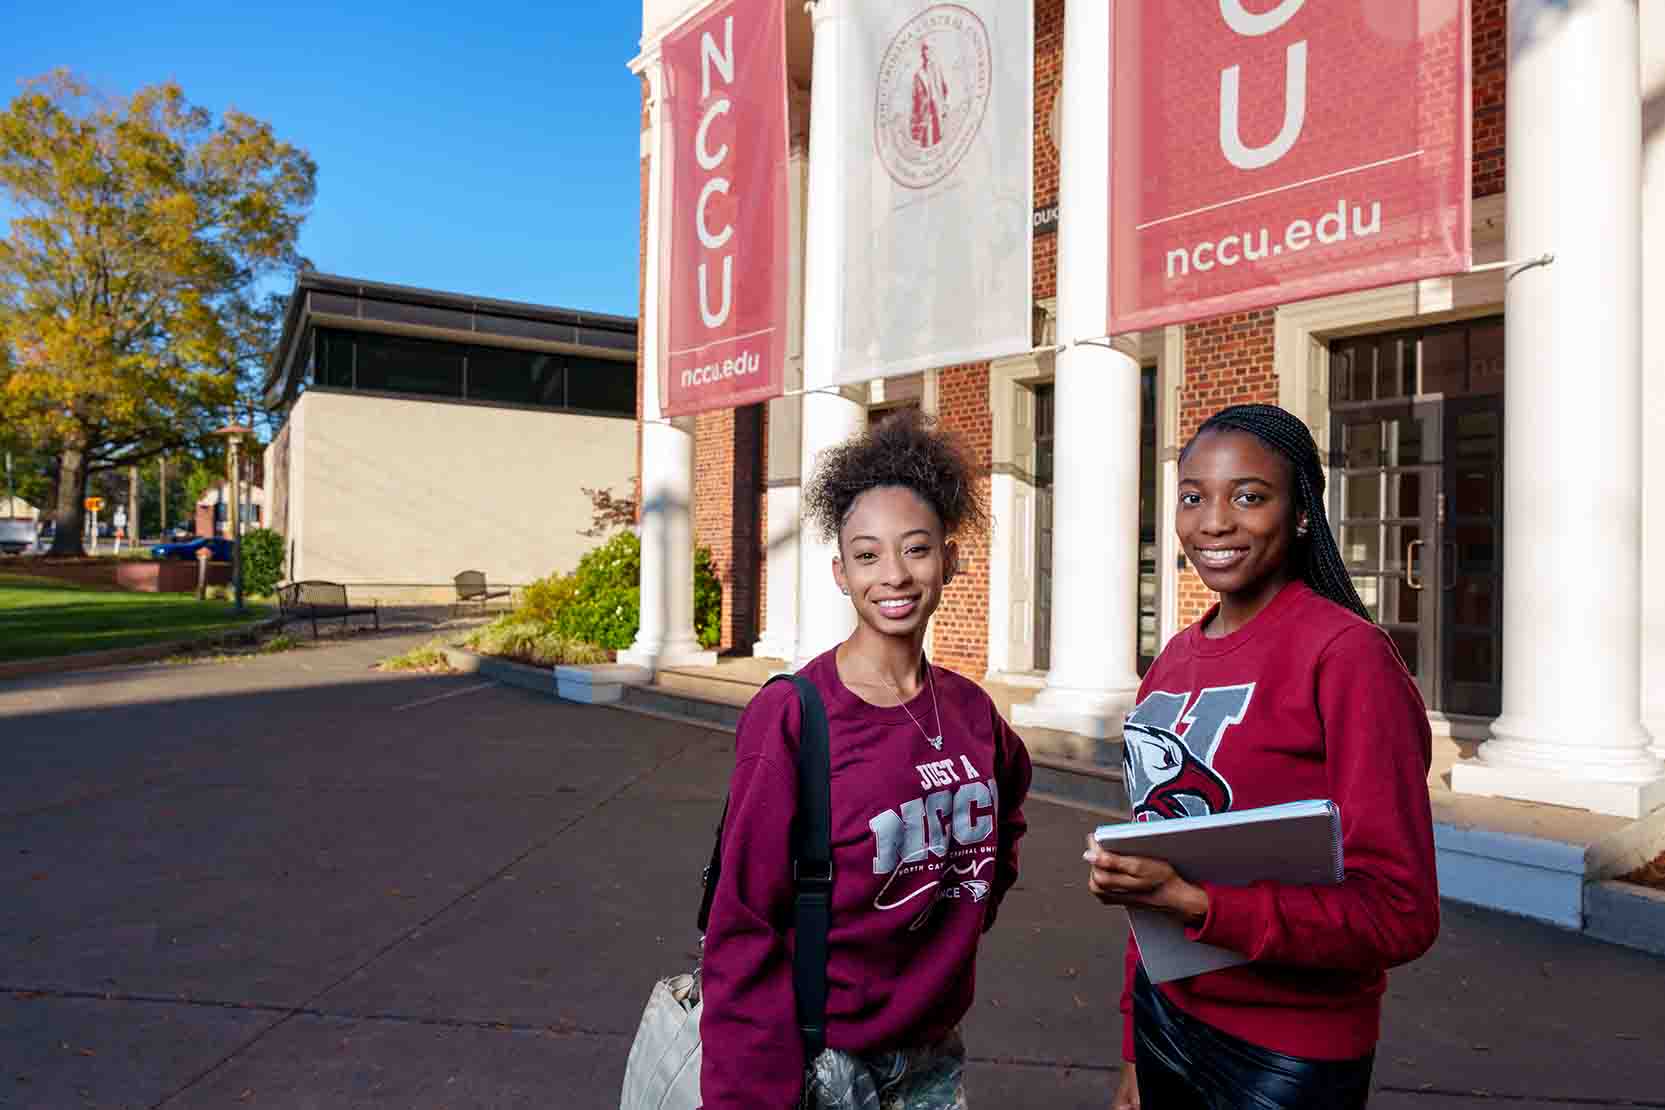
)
(334, 360)
(394, 364)
(601, 385)
(495, 375)
(516, 377)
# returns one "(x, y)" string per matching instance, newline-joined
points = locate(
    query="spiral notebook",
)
(1299, 842)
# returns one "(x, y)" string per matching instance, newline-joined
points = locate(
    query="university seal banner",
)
(1265, 152)
(723, 221)
(936, 106)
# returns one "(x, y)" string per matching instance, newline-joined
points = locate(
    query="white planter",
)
(600, 683)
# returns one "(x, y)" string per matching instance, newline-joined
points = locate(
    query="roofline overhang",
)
(280, 382)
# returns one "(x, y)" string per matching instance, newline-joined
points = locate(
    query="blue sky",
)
(485, 148)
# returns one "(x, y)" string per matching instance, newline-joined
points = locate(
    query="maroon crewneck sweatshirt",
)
(924, 846)
(1306, 700)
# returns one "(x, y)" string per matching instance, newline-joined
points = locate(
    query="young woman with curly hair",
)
(927, 787)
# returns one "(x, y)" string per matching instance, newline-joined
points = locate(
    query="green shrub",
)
(262, 561)
(600, 602)
(708, 601)
(546, 597)
(604, 605)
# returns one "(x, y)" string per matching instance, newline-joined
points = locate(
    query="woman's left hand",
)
(1140, 881)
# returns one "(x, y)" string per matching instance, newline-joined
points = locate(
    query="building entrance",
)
(1417, 497)
(1045, 441)
(1149, 596)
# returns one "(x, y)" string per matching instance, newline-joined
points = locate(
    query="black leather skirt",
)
(1186, 1064)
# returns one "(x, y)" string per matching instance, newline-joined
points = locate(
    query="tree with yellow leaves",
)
(143, 232)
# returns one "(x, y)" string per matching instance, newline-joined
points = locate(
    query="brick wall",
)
(1490, 46)
(1228, 361)
(961, 626)
(1049, 71)
(714, 487)
(728, 512)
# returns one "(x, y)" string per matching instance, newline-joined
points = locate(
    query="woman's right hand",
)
(1127, 1091)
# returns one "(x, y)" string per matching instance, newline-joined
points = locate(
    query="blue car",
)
(219, 550)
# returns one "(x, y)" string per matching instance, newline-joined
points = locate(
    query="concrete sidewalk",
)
(292, 881)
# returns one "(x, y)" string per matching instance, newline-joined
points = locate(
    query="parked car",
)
(218, 550)
(16, 536)
(181, 532)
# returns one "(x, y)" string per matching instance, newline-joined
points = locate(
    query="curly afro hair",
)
(906, 449)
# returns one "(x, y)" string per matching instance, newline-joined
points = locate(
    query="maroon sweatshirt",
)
(924, 846)
(1306, 700)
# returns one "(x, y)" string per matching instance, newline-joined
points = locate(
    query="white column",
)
(1652, 16)
(1571, 730)
(780, 639)
(1170, 376)
(1095, 545)
(782, 467)
(824, 615)
(665, 636)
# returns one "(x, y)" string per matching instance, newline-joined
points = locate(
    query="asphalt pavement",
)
(292, 881)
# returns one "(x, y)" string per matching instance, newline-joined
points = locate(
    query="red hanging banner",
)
(1265, 152)
(723, 220)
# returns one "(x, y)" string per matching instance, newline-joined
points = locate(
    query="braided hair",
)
(1317, 559)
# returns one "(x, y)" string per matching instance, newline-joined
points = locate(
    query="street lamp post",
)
(234, 434)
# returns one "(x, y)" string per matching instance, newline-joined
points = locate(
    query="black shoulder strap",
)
(812, 876)
(811, 868)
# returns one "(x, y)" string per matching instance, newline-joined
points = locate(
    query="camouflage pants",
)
(928, 1078)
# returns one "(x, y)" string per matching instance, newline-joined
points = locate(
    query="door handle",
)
(1410, 553)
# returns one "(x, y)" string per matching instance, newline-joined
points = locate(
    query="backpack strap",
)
(812, 876)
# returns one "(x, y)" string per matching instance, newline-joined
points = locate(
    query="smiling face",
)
(891, 561)
(1237, 519)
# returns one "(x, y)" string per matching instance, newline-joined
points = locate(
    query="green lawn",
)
(41, 617)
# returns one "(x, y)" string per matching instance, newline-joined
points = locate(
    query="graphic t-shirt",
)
(1306, 700)
(924, 846)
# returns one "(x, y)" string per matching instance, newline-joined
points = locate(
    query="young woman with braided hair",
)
(928, 783)
(1283, 691)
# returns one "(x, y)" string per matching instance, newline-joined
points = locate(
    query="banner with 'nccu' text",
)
(1270, 152)
(723, 216)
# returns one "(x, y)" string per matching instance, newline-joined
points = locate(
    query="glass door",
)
(1045, 440)
(1386, 498)
(1417, 495)
(1471, 558)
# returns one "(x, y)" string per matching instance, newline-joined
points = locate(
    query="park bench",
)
(314, 600)
(472, 590)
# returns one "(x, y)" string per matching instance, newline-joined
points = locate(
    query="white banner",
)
(939, 104)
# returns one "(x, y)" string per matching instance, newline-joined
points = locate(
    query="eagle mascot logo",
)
(1176, 782)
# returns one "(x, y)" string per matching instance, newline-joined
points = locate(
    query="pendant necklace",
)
(934, 741)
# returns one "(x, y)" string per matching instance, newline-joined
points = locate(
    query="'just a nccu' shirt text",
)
(924, 846)
(1306, 700)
